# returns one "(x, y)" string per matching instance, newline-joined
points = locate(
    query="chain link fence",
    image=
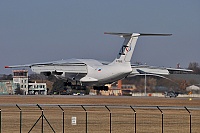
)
(64, 118)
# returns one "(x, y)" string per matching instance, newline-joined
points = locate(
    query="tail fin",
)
(129, 43)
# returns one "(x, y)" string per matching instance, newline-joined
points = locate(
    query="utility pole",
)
(145, 84)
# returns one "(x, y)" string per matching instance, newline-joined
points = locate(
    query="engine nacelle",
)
(57, 73)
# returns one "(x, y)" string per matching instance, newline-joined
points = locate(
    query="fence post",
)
(135, 116)
(0, 120)
(86, 126)
(110, 118)
(63, 113)
(162, 119)
(20, 118)
(42, 117)
(190, 119)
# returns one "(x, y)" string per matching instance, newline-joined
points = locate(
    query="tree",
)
(195, 67)
(6, 77)
(37, 77)
(151, 82)
(58, 86)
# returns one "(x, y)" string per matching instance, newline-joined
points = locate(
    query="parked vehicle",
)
(171, 94)
(79, 94)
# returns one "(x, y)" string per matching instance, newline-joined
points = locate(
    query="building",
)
(37, 88)
(7, 87)
(118, 89)
(20, 78)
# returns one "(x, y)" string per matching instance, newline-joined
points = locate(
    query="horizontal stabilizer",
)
(119, 34)
(135, 34)
(144, 34)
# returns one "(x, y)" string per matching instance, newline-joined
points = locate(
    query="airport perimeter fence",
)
(47, 118)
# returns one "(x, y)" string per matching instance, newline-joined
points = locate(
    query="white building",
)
(193, 88)
(20, 77)
(37, 88)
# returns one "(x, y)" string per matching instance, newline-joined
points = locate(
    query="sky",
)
(33, 31)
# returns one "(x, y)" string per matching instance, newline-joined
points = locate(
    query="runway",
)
(98, 100)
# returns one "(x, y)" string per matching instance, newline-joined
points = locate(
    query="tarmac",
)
(99, 100)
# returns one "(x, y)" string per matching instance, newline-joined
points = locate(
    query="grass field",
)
(148, 119)
(104, 100)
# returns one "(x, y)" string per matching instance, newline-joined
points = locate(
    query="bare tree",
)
(195, 67)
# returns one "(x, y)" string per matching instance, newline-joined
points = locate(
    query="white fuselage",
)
(103, 74)
(88, 72)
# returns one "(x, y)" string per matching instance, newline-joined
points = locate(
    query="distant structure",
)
(20, 77)
(119, 89)
(178, 66)
(7, 87)
(37, 88)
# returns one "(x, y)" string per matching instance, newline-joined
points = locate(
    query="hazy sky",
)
(48, 30)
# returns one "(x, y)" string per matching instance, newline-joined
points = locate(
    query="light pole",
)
(145, 84)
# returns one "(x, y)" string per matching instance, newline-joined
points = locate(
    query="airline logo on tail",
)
(128, 49)
(124, 50)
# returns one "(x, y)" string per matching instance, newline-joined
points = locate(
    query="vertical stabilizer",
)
(126, 51)
(129, 43)
(128, 46)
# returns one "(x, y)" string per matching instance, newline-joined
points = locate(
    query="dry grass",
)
(122, 117)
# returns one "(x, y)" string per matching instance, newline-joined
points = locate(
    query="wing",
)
(178, 70)
(144, 69)
(68, 61)
(71, 68)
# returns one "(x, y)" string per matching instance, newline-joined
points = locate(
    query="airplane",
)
(91, 72)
